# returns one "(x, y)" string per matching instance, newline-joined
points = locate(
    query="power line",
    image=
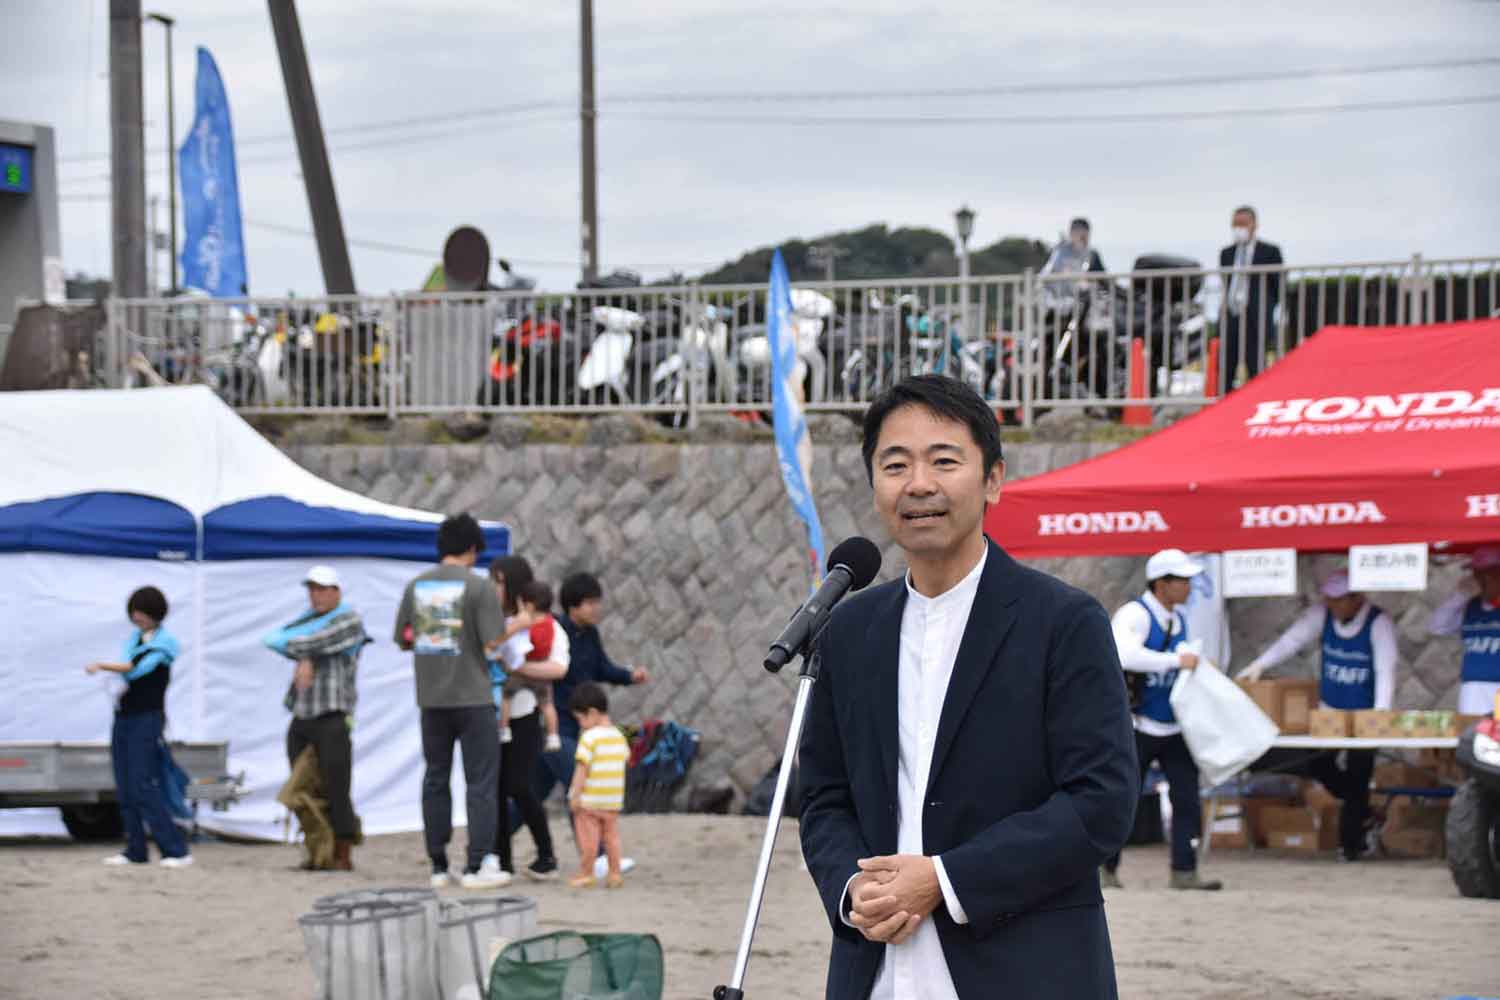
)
(438, 119)
(1053, 87)
(1054, 119)
(740, 97)
(350, 147)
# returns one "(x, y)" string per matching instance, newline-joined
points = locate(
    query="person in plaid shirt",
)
(325, 642)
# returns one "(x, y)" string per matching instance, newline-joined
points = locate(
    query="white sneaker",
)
(440, 880)
(552, 743)
(183, 862)
(489, 876)
(120, 860)
(601, 866)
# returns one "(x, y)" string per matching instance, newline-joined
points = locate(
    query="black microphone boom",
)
(851, 566)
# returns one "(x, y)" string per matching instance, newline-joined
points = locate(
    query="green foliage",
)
(879, 252)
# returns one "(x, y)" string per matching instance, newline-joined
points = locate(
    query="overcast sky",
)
(689, 194)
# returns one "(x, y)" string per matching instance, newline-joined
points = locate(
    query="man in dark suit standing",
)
(1250, 300)
(968, 760)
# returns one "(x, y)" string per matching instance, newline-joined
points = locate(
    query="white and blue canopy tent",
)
(105, 491)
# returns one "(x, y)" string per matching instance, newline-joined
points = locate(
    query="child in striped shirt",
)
(597, 793)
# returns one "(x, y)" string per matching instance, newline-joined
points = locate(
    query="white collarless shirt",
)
(931, 630)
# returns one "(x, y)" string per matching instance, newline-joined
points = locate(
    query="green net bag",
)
(569, 966)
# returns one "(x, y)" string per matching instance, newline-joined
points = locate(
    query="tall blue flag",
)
(793, 444)
(213, 257)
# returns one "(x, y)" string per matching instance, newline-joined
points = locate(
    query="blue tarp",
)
(275, 527)
(131, 526)
(100, 524)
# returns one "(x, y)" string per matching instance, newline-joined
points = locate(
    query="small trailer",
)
(79, 779)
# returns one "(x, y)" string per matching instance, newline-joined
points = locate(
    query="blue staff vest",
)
(1348, 666)
(1481, 643)
(1156, 703)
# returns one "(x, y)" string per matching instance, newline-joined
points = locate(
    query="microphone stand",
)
(812, 662)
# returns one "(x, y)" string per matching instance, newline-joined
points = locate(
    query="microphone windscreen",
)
(861, 557)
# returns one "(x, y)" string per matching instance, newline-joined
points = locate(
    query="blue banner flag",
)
(213, 256)
(793, 444)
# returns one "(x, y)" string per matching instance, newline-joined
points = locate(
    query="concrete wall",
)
(701, 560)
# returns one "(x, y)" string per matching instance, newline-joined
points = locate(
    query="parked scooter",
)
(527, 363)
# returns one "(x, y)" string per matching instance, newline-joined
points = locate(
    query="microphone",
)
(851, 566)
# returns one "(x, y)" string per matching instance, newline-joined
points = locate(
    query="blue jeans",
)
(134, 751)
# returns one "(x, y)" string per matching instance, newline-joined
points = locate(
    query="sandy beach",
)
(1287, 926)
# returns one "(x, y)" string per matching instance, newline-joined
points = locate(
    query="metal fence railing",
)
(1163, 334)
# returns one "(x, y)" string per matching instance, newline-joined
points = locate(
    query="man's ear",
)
(993, 481)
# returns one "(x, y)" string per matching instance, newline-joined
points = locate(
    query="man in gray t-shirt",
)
(448, 616)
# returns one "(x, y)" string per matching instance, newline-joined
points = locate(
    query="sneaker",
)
(119, 860)
(440, 880)
(505, 735)
(182, 861)
(552, 743)
(489, 875)
(1190, 880)
(582, 882)
(542, 870)
(1109, 879)
(601, 866)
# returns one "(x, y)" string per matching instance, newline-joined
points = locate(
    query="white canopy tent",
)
(106, 491)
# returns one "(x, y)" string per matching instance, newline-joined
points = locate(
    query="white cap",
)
(323, 576)
(1336, 585)
(1171, 562)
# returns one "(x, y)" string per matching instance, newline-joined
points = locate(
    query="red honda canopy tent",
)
(1360, 436)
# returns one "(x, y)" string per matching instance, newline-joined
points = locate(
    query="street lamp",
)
(964, 218)
(167, 23)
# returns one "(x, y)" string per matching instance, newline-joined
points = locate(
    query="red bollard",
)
(1211, 370)
(1139, 415)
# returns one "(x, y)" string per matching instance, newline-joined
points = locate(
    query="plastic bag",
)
(1225, 730)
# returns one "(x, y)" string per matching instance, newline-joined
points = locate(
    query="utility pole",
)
(151, 247)
(317, 175)
(127, 150)
(586, 117)
(167, 23)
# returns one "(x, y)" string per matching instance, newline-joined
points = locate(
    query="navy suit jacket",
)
(1033, 783)
(1270, 284)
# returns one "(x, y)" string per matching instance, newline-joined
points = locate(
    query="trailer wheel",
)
(93, 821)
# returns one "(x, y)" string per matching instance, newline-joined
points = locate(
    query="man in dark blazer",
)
(968, 760)
(1250, 300)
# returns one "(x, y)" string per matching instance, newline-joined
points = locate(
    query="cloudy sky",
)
(833, 138)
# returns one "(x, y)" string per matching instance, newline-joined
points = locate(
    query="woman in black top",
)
(135, 741)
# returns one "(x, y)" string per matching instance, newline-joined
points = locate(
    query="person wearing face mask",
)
(1074, 253)
(1251, 299)
(1358, 672)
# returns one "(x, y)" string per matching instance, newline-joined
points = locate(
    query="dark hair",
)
(586, 696)
(1079, 223)
(458, 534)
(537, 594)
(515, 572)
(944, 397)
(148, 601)
(1247, 210)
(578, 588)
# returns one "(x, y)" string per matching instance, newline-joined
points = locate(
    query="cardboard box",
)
(1289, 703)
(1230, 832)
(1400, 775)
(1330, 723)
(1290, 840)
(1414, 828)
(1376, 724)
(1302, 828)
(1315, 796)
(1443, 764)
